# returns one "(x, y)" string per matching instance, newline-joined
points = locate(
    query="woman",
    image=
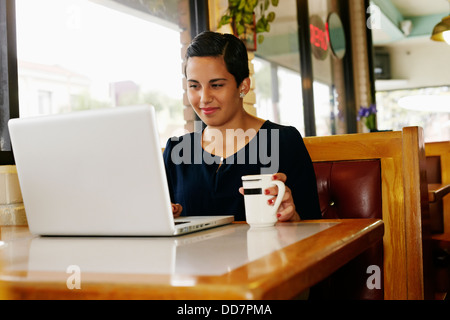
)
(204, 169)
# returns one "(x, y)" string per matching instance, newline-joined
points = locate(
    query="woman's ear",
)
(245, 86)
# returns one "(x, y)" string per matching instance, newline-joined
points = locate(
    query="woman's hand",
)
(286, 211)
(176, 209)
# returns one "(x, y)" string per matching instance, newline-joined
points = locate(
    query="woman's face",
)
(212, 91)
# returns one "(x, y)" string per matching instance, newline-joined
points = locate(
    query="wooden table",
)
(230, 262)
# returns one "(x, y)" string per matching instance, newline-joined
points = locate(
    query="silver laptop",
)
(97, 173)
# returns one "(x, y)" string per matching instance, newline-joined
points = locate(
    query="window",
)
(281, 95)
(328, 66)
(278, 84)
(78, 54)
(428, 108)
(44, 102)
(325, 109)
(277, 94)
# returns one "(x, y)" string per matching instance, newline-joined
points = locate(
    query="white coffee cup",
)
(258, 212)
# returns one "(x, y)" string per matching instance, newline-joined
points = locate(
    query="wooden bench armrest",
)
(437, 191)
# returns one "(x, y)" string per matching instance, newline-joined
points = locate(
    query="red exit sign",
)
(319, 37)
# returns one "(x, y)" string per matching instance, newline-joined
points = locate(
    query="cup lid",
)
(256, 177)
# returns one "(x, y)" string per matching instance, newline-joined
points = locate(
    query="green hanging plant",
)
(253, 14)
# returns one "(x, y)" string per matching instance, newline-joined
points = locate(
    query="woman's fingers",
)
(176, 209)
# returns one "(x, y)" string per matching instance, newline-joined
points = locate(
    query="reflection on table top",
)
(232, 260)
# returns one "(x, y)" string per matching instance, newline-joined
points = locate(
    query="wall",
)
(419, 63)
(12, 211)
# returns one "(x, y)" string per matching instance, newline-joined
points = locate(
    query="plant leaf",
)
(240, 29)
(233, 3)
(260, 38)
(260, 27)
(252, 4)
(248, 8)
(241, 5)
(238, 17)
(224, 20)
(248, 18)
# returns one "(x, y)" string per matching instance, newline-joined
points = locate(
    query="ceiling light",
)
(426, 103)
(441, 31)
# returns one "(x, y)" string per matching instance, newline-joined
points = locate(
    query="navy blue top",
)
(202, 186)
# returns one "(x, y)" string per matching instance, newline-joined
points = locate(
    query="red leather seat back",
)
(351, 189)
(433, 164)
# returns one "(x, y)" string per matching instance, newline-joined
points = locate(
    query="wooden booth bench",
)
(438, 178)
(380, 175)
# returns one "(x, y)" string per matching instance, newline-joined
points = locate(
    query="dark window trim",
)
(199, 22)
(370, 54)
(9, 100)
(306, 67)
(350, 102)
(199, 15)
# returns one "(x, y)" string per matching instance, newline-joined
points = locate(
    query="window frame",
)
(8, 77)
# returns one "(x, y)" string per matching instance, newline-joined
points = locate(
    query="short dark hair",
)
(231, 48)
